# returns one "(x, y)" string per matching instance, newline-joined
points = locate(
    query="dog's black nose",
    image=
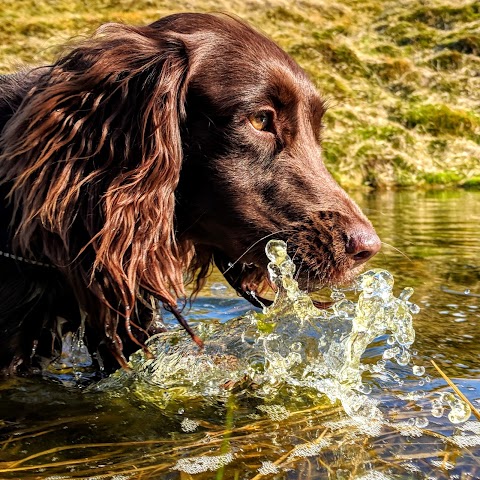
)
(362, 245)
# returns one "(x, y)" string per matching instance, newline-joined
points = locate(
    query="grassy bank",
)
(402, 76)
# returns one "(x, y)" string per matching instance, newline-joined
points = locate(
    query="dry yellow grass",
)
(402, 79)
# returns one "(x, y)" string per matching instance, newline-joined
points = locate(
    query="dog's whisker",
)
(397, 250)
(191, 225)
(295, 254)
(297, 275)
(232, 264)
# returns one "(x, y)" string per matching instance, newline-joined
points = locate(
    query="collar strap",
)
(24, 260)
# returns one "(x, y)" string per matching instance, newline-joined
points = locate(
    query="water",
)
(283, 425)
(438, 234)
(290, 345)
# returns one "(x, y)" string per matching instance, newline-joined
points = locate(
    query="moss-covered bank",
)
(402, 77)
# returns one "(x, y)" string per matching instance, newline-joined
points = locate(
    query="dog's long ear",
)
(93, 157)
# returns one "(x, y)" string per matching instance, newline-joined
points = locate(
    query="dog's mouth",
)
(323, 256)
(247, 279)
(253, 283)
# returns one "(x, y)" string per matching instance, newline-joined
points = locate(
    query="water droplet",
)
(421, 422)
(437, 408)
(390, 353)
(437, 412)
(365, 388)
(406, 293)
(414, 308)
(276, 251)
(418, 370)
(296, 347)
(460, 410)
(459, 414)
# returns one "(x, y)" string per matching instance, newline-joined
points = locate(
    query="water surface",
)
(437, 235)
(432, 243)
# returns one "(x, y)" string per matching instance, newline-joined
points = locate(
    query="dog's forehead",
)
(214, 37)
(288, 85)
(268, 64)
(229, 57)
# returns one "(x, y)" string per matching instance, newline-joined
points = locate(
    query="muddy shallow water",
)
(432, 243)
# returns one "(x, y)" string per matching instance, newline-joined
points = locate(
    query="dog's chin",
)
(259, 290)
(252, 282)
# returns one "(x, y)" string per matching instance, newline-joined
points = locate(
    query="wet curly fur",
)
(135, 161)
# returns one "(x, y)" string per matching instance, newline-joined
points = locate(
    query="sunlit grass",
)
(402, 79)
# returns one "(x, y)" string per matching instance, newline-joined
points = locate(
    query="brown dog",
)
(149, 152)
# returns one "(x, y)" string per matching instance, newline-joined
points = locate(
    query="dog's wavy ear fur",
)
(92, 158)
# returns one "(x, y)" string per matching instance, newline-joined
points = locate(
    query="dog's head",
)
(147, 151)
(253, 167)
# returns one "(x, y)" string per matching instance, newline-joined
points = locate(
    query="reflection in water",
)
(438, 234)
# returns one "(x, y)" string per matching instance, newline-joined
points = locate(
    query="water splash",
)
(74, 362)
(459, 411)
(290, 350)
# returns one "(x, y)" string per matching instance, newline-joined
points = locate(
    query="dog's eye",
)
(261, 120)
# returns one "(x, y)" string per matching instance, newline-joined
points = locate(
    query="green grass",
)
(440, 119)
(472, 182)
(402, 78)
(443, 178)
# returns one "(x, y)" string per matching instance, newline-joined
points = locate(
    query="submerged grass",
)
(402, 78)
(318, 442)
